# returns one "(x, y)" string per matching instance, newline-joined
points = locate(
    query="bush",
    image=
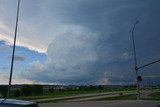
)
(38, 89)
(17, 93)
(27, 90)
(51, 90)
(3, 90)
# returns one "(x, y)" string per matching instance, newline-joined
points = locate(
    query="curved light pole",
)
(135, 60)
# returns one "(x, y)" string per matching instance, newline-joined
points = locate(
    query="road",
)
(99, 97)
(84, 96)
(128, 103)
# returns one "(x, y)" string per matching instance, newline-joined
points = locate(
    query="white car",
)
(16, 103)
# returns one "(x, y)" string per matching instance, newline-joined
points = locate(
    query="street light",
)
(12, 102)
(138, 78)
(135, 60)
(13, 52)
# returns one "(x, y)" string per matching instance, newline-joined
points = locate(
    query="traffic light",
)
(139, 78)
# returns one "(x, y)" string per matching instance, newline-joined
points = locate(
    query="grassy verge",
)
(60, 94)
(155, 96)
(122, 97)
(78, 97)
(57, 94)
(63, 93)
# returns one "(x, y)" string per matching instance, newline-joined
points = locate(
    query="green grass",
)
(122, 97)
(56, 94)
(60, 93)
(155, 95)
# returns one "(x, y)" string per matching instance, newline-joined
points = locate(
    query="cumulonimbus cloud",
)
(69, 57)
(83, 40)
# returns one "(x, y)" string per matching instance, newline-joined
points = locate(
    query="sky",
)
(80, 42)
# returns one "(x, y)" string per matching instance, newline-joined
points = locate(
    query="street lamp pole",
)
(135, 60)
(13, 52)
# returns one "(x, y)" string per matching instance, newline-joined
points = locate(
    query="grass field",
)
(63, 93)
(60, 93)
(122, 97)
(155, 95)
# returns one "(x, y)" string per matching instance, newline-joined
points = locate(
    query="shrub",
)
(27, 90)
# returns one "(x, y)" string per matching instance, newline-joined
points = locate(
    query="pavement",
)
(126, 103)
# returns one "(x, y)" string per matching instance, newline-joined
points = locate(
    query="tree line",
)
(25, 90)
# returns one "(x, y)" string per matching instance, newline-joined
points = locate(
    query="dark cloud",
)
(17, 58)
(82, 57)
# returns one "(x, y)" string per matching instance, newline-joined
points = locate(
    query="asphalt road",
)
(98, 97)
(128, 103)
(82, 97)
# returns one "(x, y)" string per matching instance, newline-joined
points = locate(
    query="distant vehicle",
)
(16, 103)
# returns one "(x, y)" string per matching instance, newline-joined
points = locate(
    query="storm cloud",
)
(97, 42)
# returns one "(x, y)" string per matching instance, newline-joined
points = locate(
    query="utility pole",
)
(13, 52)
(135, 60)
(138, 78)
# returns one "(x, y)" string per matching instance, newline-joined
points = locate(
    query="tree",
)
(38, 89)
(3, 90)
(100, 87)
(27, 90)
(51, 90)
(17, 93)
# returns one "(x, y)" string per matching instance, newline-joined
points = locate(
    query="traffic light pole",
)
(148, 64)
(136, 67)
(138, 85)
(135, 60)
